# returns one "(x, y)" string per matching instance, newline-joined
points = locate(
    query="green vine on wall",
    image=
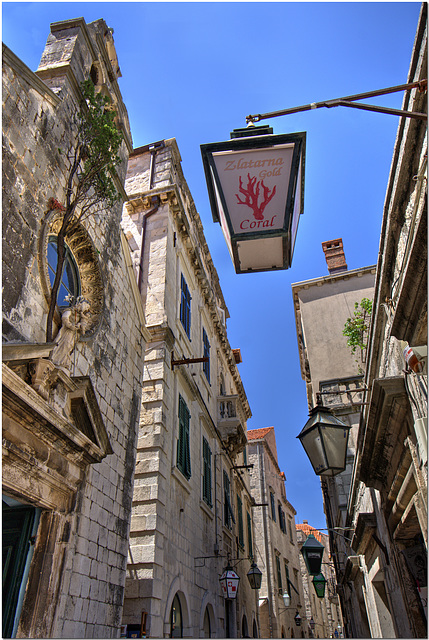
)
(356, 329)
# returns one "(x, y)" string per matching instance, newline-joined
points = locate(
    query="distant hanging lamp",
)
(254, 576)
(229, 582)
(319, 584)
(312, 552)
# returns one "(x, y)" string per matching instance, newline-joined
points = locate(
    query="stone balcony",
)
(230, 424)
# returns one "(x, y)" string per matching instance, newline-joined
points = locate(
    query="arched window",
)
(207, 626)
(244, 629)
(70, 281)
(255, 629)
(176, 623)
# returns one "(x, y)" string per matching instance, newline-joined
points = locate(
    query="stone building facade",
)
(380, 501)
(70, 408)
(324, 613)
(276, 541)
(192, 507)
(387, 507)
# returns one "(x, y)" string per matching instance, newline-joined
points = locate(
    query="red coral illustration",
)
(251, 196)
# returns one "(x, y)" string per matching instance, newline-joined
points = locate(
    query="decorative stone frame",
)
(87, 262)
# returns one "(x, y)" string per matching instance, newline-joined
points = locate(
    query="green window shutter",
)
(228, 512)
(279, 573)
(273, 506)
(240, 522)
(183, 443)
(287, 580)
(249, 534)
(207, 473)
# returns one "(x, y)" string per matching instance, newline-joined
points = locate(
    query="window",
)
(249, 535)
(70, 282)
(206, 354)
(227, 508)
(185, 307)
(207, 473)
(287, 581)
(279, 574)
(176, 625)
(273, 506)
(183, 444)
(282, 519)
(290, 529)
(240, 522)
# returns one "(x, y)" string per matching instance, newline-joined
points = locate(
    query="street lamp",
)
(255, 183)
(297, 619)
(319, 584)
(229, 582)
(325, 438)
(312, 552)
(286, 598)
(255, 576)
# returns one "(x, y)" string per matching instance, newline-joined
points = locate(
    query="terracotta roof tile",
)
(307, 529)
(257, 434)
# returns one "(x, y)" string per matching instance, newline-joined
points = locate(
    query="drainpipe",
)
(265, 528)
(155, 204)
(148, 214)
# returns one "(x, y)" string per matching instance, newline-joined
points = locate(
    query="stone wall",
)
(179, 544)
(87, 542)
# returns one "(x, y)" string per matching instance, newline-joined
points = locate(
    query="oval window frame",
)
(85, 256)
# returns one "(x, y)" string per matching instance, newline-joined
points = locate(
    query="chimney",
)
(334, 254)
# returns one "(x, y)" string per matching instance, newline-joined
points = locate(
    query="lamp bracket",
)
(176, 363)
(349, 101)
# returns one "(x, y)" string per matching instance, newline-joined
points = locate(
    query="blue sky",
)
(194, 71)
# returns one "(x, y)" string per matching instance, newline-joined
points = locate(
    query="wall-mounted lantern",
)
(319, 584)
(256, 188)
(297, 619)
(312, 552)
(286, 598)
(255, 576)
(325, 439)
(229, 582)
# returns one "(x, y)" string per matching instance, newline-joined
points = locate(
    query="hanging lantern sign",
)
(229, 582)
(256, 188)
(319, 583)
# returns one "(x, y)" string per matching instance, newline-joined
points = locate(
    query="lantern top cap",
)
(312, 542)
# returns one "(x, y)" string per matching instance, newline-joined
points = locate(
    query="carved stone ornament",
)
(86, 258)
(74, 322)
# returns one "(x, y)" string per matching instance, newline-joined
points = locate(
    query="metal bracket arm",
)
(348, 102)
(176, 363)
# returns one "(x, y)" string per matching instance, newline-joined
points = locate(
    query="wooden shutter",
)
(240, 522)
(183, 443)
(279, 573)
(249, 534)
(207, 473)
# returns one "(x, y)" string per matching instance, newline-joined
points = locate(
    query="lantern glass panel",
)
(335, 440)
(312, 443)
